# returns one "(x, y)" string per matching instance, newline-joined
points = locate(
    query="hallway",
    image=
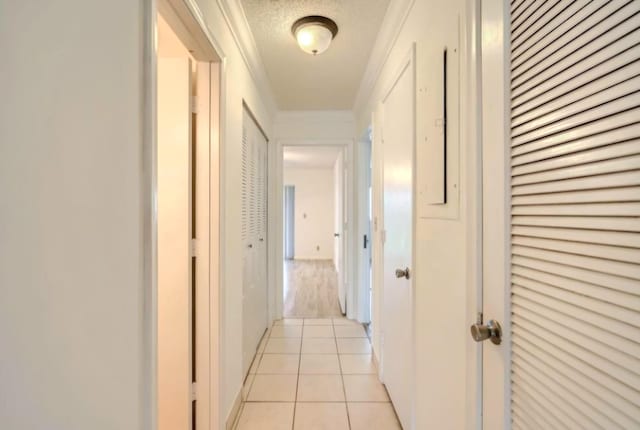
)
(315, 373)
(310, 289)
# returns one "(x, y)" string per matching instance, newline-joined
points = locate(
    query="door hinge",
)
(194, 391)
(194, 104)
(384, 236)
(194, 247)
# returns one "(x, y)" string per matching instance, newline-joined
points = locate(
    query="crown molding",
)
(239, 26)
(314, 116)
(392, 25)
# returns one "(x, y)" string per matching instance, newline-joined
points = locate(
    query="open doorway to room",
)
(187, 167)
(314, 218)
(364, 214)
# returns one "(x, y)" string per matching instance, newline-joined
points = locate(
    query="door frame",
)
(276, 220)
(489, 48)
(471, 118)
(187, 20)
(364, 258)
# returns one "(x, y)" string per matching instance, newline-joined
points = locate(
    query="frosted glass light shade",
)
(314, 33)
(314, 39)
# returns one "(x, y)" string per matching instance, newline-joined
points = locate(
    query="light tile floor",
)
(315, 374)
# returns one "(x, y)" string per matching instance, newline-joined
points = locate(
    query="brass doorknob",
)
(482, 332)
(403, 273)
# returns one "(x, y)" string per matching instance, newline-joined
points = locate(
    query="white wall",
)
(441, 295)
(313, 212)
(72, 296)
(74, 311)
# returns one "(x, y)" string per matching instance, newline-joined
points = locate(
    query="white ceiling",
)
(316, 157)
(324, 82)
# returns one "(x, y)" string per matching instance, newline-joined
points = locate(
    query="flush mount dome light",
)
(314, 33)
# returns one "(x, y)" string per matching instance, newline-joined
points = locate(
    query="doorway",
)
(314, 230)
(187, 221)
(289, 221)
(364, 243)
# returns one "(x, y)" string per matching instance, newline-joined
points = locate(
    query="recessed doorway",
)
(313, 226)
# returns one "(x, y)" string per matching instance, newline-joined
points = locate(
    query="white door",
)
(561, 152)
(254, 212)
(339, 235)
(397, 309)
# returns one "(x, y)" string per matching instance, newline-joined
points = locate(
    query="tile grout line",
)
(344, 388)
(295, 399)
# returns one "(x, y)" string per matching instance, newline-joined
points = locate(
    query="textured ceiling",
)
(317, 157)
(324, 82)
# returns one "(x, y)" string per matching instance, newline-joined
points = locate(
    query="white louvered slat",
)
(575, 43)
(579, 101)
(549, 28)
(613, 282)
(580, 375)
(555, 101)
(584, 133)
(607, 195)
(596, 264)
(533, 14)
(576, 358)
(575, 214)
(563, 71)
(558, 159)
(596, 209)
(617, 253)
(576, 386)
(628, 347)
(581, 51)
(591, 223)
(525, 133)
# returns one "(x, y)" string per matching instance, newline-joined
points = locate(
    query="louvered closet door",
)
(575, 243)
(254, 282)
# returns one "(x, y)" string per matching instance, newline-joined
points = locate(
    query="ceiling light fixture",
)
(314, 33)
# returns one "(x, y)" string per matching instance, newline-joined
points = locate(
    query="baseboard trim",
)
(235, 411)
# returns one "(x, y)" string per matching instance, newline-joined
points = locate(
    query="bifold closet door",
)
(254, 238)
(575, 214)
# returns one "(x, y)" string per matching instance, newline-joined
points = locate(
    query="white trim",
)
(148, 200)
(195, 18)
(239, 26)
(496, 206)
(315, 116)
(471, 141)
(392, 25)
(363, 259)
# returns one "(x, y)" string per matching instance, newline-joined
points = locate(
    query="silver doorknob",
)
(402, 273)
(482, 332)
